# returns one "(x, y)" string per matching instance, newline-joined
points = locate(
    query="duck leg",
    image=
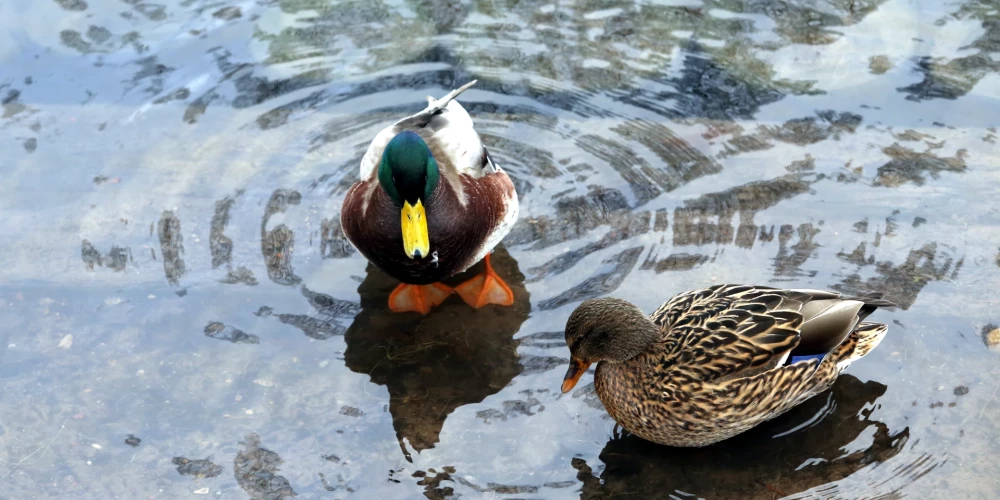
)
(486, 288)
(418, 298)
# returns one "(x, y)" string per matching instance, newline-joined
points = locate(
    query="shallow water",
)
(174, 273)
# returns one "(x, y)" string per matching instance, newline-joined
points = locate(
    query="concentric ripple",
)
(174, 266)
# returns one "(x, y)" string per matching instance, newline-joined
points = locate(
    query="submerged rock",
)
(255, 469)
(991, 336)
(198, 468)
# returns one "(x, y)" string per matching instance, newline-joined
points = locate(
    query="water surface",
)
(182, 316)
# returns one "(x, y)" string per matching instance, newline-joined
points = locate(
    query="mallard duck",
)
(429, 204)
(712, 363)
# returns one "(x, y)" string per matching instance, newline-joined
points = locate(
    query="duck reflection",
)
(434, 364)
(276, 245)
(814, 444)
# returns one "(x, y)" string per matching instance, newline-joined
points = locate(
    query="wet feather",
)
(720, 360)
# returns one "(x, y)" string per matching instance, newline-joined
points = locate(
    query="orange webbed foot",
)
(418, 298)
(486, 288)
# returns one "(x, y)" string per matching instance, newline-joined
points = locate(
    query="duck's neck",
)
(628, 333)
(637, 336)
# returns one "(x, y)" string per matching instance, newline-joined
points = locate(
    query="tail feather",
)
(861, 342)
(432, 111)
(872, 301)
(435, 105)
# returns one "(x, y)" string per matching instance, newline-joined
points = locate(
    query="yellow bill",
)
(414, 222)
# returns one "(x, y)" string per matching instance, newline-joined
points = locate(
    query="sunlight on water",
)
(174, 267)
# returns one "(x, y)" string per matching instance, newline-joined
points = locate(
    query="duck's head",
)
(605, 329)
(409, 174)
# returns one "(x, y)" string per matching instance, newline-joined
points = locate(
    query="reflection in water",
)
(512, 408)
(276, 245)
(826, 124)
(251, 89)
(341, 483)
(333, 244)
(707, 219)
(432, 480)
(101, 40)
(637, 225)
(199, 468)
(789, 261)
(609, 276)
(680, 162)
(171, 246)
(221, 246)
(901, 283)
(116, 259)
(326, 323)
(222, 331)
(674, 262)
(911, 166)
(616, 119)
(827, 438)
(256, 471)
(632, 40)
(573, 217)
(951, 79)
(432, 365)
(239, 275)
(705, 82)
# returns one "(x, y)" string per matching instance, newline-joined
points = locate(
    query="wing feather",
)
(725, 332)
(718, 333)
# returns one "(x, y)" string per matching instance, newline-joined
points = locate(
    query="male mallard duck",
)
(712, 363)
(431, 203)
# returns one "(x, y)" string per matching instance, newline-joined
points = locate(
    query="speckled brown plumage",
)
(718, 363)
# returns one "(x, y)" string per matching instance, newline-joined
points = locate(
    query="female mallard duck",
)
(712, 363)
(431, 203)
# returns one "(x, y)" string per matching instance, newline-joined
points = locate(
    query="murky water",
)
(181, 315)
